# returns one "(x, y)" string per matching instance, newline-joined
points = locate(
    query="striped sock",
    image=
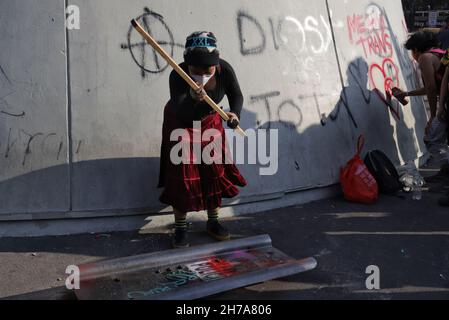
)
(180, 220)
(212, 215)
(181, 224)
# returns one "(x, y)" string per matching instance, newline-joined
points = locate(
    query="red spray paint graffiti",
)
(369, 31)
(390, 73)
(388, 70)
(222, 266)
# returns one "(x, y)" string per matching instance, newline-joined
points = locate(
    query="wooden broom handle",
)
(181, 72)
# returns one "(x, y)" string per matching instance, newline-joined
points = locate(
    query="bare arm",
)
(418, 92)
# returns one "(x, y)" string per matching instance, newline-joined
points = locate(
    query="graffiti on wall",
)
(287, 112)
(144, 56)
(25, 144)
(310, 34)
(371, 32)
(304, 39)
(307, 40)
(17, 140)
(5, 108)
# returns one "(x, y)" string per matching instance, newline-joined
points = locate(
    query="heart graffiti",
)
(388, 73)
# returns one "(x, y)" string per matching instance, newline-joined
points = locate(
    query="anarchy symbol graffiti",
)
(145, 57)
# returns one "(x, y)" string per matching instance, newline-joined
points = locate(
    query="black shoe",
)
(444, 202)
(217, 231)
(180, 239)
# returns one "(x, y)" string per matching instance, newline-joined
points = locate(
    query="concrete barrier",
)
(34, 171)
(81, 110)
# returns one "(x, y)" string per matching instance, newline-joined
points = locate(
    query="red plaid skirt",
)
(196, 187)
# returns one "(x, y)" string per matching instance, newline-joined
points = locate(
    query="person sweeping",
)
(194, 185)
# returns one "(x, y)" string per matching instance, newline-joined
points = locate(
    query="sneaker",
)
(217, 231)
(180, 239)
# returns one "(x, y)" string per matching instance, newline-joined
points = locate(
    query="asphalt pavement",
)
(407, 240)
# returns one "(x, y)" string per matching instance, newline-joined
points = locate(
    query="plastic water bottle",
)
(411, 180)
(417, 187)
(417, 193)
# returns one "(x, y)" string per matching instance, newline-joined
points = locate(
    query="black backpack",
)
(383, 171)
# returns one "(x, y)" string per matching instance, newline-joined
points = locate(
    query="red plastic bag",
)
(357, 182)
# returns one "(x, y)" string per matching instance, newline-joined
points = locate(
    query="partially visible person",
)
(443, 35)
(443, 108)
(442, 111)
(423, 46)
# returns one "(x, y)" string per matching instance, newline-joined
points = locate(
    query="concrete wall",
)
(34, 175)
(293, 74)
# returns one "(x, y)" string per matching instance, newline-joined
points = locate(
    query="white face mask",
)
(202, 80)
